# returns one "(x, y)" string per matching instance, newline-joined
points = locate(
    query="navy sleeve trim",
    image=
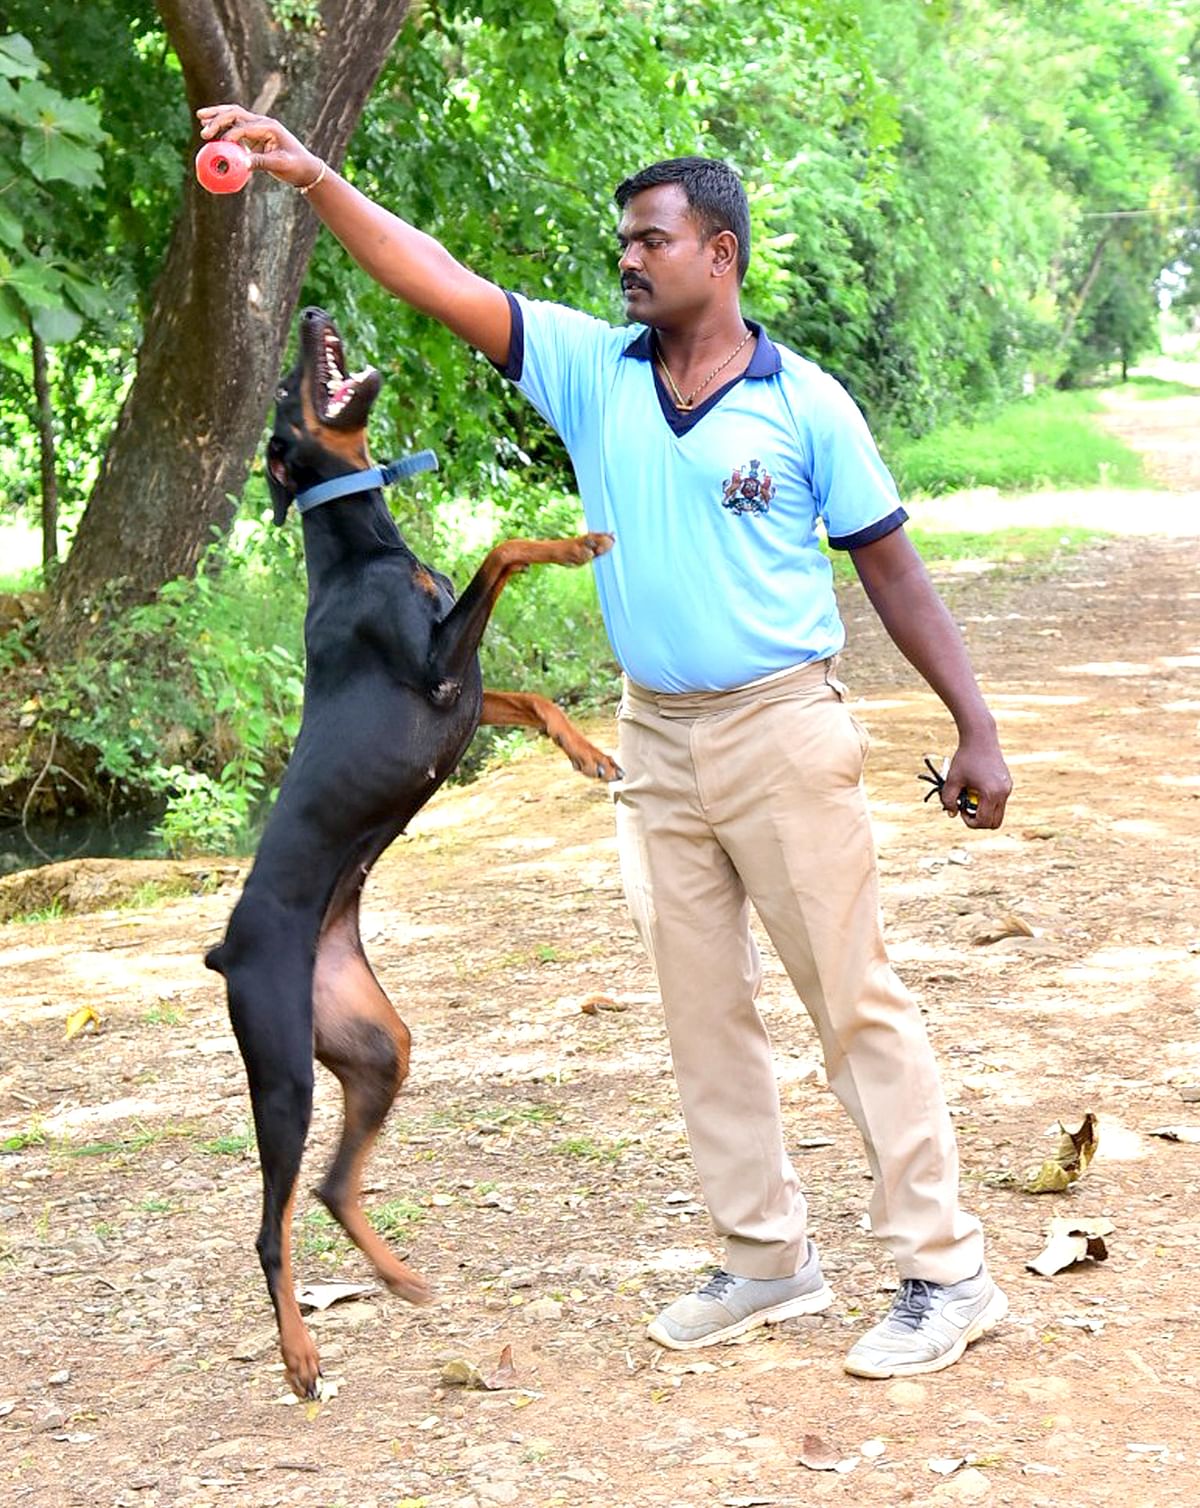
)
(871, 533)
(515, 365)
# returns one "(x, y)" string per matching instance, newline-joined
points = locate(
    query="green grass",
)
(1158, 387)
(318, 1235)
(507, 1115)
(34, 1137)
(1017, 546)
(164, 1015)
(151, 893)
(1050, 440)
(392, 1220)
(54, 912)
(234, 1145)
(588, 1150)
(122, 1146)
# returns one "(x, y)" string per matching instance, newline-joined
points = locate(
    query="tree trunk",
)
(47, 454)
(1080, 297)
(214, 341)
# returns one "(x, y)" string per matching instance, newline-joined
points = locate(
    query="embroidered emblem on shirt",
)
(749, 490)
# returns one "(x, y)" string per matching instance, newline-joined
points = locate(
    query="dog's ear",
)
(277, 483)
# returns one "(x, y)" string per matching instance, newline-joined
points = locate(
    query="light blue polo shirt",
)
(716, 578)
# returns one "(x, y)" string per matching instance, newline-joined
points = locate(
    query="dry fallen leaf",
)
(595, 1003)
(689, 1367)
(1070, 1241)
(460, 1373)
(1178, 1133)
(505, 1375)
(322, 1295)
(1007, 925)
(1075, 1151)
(84, 1019)
(817, 1455)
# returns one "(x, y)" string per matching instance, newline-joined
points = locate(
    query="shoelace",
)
(718, 1285)
(912, 1303)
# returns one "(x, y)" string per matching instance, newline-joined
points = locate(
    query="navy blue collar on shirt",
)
(765, 362)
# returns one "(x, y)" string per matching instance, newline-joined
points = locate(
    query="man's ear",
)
(725, 253)
(277, 483)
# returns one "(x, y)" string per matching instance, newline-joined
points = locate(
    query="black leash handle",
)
(968, 800)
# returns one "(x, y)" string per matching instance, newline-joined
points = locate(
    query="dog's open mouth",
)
(342, 399)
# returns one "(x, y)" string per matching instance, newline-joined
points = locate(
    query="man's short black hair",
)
(714, 192)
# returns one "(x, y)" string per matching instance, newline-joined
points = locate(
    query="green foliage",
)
(546, 633)
(296, 15)
(96, 236)
(1045, 441)
(196, 697)
(946, 201)
(46, 140)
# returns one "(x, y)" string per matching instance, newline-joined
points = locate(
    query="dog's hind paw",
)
(407, 1284)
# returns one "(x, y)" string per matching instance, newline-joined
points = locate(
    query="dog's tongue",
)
(342, 391)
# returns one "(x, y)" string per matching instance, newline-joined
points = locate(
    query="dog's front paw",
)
(302, 1366)
(593, 545)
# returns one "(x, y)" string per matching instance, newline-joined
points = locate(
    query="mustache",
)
(631, 280)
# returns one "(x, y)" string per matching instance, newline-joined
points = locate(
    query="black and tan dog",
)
(392, 696)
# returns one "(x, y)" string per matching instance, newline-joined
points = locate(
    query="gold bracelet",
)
(308, 187)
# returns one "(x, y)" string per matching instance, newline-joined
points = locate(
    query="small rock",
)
(967, 1486)
(544, 1309)
(717, 1457)
(1190, 1094)
(906, 1394)
(499, 1492)
(56, 1379)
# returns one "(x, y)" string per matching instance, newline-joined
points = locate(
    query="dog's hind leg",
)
(523, 709)
(265, 961)
(363, 1042)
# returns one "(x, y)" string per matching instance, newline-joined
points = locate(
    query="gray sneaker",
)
(728, 1305)
(929, 1327)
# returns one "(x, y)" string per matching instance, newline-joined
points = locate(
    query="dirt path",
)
(536, 1168)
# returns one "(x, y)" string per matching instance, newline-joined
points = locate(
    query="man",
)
(711, 453)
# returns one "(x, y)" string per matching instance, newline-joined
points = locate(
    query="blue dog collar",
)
(364, 481)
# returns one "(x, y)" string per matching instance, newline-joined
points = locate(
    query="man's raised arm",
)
(402, 259)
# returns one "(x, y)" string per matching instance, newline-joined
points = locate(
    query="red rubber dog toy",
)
(223, 166)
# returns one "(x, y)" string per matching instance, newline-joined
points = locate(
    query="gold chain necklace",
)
(684, 404)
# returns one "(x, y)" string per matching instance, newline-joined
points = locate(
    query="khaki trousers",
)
(755, 795)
